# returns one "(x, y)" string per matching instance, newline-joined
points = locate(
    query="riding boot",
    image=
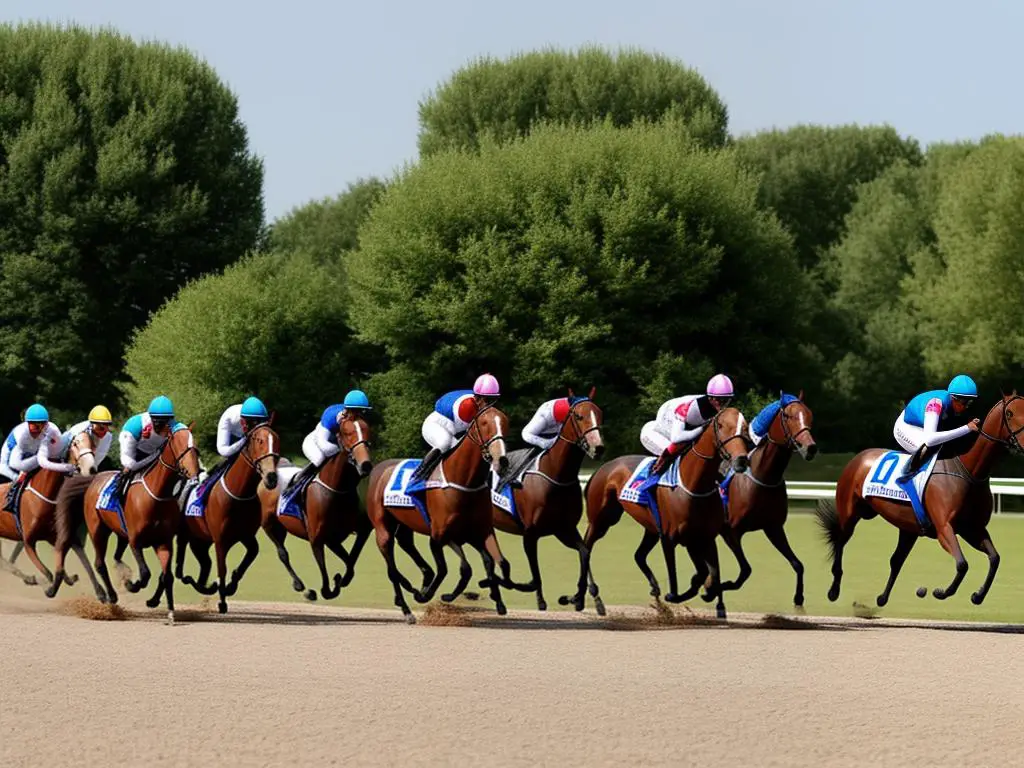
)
(10, 504)
(122, 486)
(917, 460)
(427, 465)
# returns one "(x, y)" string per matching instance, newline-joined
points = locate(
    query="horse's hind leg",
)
(437, 550)
(123, 571)
(79, 550)
(164, 553)
(982, 542)
(495, 589)
(701, 560)
(905, 543)
(18, 547)
(277, 534)
(947, 537)
(404, 537)
(530, 547)
(777, 536)
(201, 552)
(734, 540)
(640, 557)
(668, 548)
(386, 545)
(465, 574)
(351, 557)
(221, 553)
(252, 549)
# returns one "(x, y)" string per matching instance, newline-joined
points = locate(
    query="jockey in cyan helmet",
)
(453, 413)
(917, 428)
(37, 445)
(143, 435)
(681, 420)
(323, 442)
(235, 423)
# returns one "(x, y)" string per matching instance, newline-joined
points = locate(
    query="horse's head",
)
(354, 437)
(730, 431)
(263, 451)
(583, 425)
(82, 452)
(792, 428)
(180, 453)
(488, 431)
(1011, 422)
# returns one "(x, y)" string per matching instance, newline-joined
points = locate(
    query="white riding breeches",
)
(312, 451)
(653, 439)
(439, 432)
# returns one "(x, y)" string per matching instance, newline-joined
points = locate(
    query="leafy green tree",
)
(505, 99)
(124, 171)
(274, 325)
(327, 228)
(632, 259)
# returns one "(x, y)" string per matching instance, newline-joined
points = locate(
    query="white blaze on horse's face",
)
(740, 424)
(499, 440)
(359, 431)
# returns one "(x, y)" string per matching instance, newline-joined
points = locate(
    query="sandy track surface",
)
(272, 685)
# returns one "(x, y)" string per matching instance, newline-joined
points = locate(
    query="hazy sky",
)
(329, 90)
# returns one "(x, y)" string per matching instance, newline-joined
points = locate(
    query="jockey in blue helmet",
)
(917, 428)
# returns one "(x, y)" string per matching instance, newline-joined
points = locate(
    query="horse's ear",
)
(270, 421)
(571, 393)
(800, 395)
(1001, 393)
(191, 425)
(593, 391)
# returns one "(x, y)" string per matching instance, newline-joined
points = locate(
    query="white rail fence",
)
(813, 490)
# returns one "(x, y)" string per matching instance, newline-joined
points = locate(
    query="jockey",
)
(235, 423)
(542, 431)
(98, 424)
(323, 442)
(36, 445)
(5, 457)
(681, 420)
(451, 417)
(917, 428)
(143, 436)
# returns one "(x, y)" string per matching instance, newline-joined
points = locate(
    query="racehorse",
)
(232, 515)
(691, 513)
(40, 521)
(757, 500)
(458, 507)
(331, 511)
(151, 515)
(957, 499)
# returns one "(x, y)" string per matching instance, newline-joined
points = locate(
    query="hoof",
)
(71, 579)
(222, 607)
(152, 603)
(298, 586)
(798, 601)
(448, 597)
(833, 594)
(501, 609)
(51, 591)
(672, 597)
(564, 600)
(599, 606)
(30, 581)
(113, 598)
(939, 594)
(655, 592)
(310, 595)
(102, 597)
(922, 592)
(881, 600)
(471, 595)
(707, 597)
(170, 618)
(542, 605)
(133, 586)
(977, 598)
(721, 612)
(409, 618)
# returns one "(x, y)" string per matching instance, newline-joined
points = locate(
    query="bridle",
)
(176, 467)
(719, 442)
(791, 437)
(256, 462)
(1011, 441)
(478, 439)
(581, 436)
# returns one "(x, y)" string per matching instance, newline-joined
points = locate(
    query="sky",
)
(329, 91)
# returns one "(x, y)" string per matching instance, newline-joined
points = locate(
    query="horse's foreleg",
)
(404, 537)
(983, 543)
(179, 556)
(30, 550)
(465, 574)
(701, 561)
(501, 564)
(277, 534)
(18, 547)
(326, 590)
(123, 571)
(59, 575)
(164, 553)
(386, 545)
(79, 550)
(99, 545)
(734, 540)
(530, 548)
(437, 550)
(351, 557)
(495, 589)
(947, 537)
(252, 549)
(221, 553)
(144, 574)
(571, 538)
(777, 536)
(668, 549)
(640, 557)
(904, 545)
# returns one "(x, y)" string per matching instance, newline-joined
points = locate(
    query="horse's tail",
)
(827, 515)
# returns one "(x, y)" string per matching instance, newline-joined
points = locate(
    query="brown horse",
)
(232, 515)
(691, 513)
(332, 509)
(40, 522)
(460, 512)
(757, 499)
(957, 499)
(151, 513)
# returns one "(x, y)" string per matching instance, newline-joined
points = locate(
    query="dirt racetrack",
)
(273, 685)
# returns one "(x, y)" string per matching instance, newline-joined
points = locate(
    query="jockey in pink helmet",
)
(681, 420)
(453, 413)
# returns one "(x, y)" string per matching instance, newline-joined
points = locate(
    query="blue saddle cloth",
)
(505, 499)
(641, 484)
(109, 501)
(197, 504)
(403, 491)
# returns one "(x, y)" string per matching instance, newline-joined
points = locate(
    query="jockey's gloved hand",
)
(974, 425)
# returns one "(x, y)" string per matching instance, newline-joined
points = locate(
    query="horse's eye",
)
(1009, 414)
(578, 417)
